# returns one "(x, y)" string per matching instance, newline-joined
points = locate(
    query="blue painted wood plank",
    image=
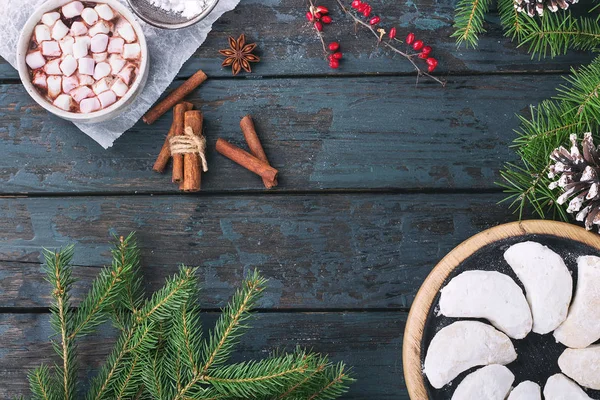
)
(289, 46)
(319, 251)
(363, 133)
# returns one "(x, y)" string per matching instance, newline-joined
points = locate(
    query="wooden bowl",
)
(421, 316)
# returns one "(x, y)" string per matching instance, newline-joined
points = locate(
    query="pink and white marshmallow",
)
(42, 32)
(90, 16)
(50, 18)
(99, 43)
(86, 66)
(90, 105)
(64, 102)
(35, 60)
(72, 9)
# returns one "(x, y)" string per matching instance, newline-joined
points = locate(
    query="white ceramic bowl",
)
(98, 116)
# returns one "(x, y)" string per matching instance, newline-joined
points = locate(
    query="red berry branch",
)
(364, 9)
(319, 17)
(316, 15)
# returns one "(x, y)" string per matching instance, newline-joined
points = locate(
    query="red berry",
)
(333, 63)
(326, 19)
(392, 33)
(309, 16)
(317, 15)
(338, 55)
(356, 4)
(334, 46)
(322, 10)
(426, 50)
(423, 55)
(418, 45)
(410, 38)
(367, 11)
(361, 7)
(375, 20)
(431, 64)
(318, 26)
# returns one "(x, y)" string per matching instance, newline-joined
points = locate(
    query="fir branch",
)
(58, 274)
(581, 96)
(336, 381)
(108, 288)
(227, 331)
(230, 326)
(169, 299)
(551, 123)
(129, 383)
(511, 19)
(42, 385)
(555, 33)
(468, 21)
(102, 383)
(261, 379)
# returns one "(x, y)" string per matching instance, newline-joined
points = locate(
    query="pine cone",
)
(531, 7)
(579, 179)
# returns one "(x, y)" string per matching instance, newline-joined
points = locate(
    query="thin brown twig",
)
(390, 46)
(320, 34)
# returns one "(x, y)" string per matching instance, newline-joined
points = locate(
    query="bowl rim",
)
(182, 25)
(23, 68)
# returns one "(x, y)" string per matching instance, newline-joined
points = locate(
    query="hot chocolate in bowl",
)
(84, 61)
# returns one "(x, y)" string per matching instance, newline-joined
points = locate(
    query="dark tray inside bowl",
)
(537, 354)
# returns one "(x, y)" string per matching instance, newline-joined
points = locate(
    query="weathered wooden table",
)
(379, 179)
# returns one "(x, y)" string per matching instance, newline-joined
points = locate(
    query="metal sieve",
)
(162, 19)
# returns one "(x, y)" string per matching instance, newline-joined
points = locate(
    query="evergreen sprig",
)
(556, 33)
(161, 353)
(573, 110)
(468, 21)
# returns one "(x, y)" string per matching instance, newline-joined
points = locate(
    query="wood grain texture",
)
(370, 343)
(319, 251)
(411, 351)
(287, 44)
(319, 133)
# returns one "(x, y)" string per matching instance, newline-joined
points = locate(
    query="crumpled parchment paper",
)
(168, 52)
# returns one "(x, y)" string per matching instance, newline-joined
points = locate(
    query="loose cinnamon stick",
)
(165, 152)
(178, 121)
(191, 161)
(255, 146)
(246, 160)
(174, 97)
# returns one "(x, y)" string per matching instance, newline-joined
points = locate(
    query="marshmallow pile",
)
(84, 58)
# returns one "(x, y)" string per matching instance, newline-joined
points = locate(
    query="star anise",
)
(239, 55)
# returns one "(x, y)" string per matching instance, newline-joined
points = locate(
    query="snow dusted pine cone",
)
(533, 7)
(579, 178)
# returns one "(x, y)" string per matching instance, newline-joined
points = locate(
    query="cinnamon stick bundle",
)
(165, 152)
(246, 160)
(247, 126)
(192, 175)
(175, 97)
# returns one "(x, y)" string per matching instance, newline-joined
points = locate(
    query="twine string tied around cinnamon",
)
(189, 143)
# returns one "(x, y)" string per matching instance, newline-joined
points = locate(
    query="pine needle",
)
(108, 288)
(511, 20)
(468, 21)
(555, 33)
(42, 385)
